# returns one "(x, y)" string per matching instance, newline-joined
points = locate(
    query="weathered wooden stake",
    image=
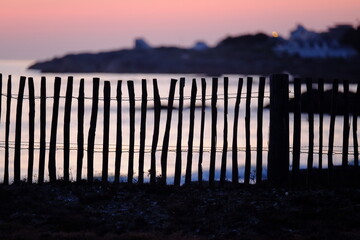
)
(105, 165)
(92, 130)
(191, 133)
(235, 169)
(202, 126)
(332, 128)
(165, 147)
(157, 112)
(17, 155)
(259, 144)
(225, 133)
(7, 133)
(178, 161)
(278, 163)
(130, 85)
(297, 130)
(118, 133)
(67, 118)
(321, 120)
(311, 131)
(355, 116)
(53, 134)
(31, 128)
(42, 130)
(142, 130)
(346, 128)
(213, 131)
(80, 134)
(247, 131)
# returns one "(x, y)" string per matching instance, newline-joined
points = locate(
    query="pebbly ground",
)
(82, 211)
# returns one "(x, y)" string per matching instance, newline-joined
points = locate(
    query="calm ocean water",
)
(18, 68)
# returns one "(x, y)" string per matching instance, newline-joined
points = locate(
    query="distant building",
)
(141, 44)
(200, 46)
(308, 44)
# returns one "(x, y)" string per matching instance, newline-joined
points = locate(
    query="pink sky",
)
(40, 29)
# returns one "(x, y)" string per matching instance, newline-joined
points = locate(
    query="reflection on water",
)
(18, 68)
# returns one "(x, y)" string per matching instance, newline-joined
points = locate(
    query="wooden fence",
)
(279, 154)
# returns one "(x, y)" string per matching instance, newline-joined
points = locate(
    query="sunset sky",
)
(41, 29)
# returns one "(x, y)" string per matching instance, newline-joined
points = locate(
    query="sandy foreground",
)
(81, 211)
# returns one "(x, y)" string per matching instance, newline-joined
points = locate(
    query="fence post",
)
(31, 128)
(225, 133)
(67, 117)
(321, 120)
(259, 144)
(213, 131)
(346, 128)
(355, 116)
(332, 129)
(92, 130)
(201, 151)
(54, 124)
(178, 161)
(278, 163)
(144, 96)
(42, 130)
(7, 126)
(297, 131)
(80, 135)
(17, 155)
(191, 132)
(165, 147)
(106, 130)
(310, 160)
(247, 130)
(157, 113)
(118, 133)
(130, 85)
(235, 168)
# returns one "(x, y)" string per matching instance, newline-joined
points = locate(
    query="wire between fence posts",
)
(278, 160)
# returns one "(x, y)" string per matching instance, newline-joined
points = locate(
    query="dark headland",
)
(331, 54)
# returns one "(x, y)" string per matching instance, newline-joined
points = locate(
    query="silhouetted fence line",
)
(282, 164)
